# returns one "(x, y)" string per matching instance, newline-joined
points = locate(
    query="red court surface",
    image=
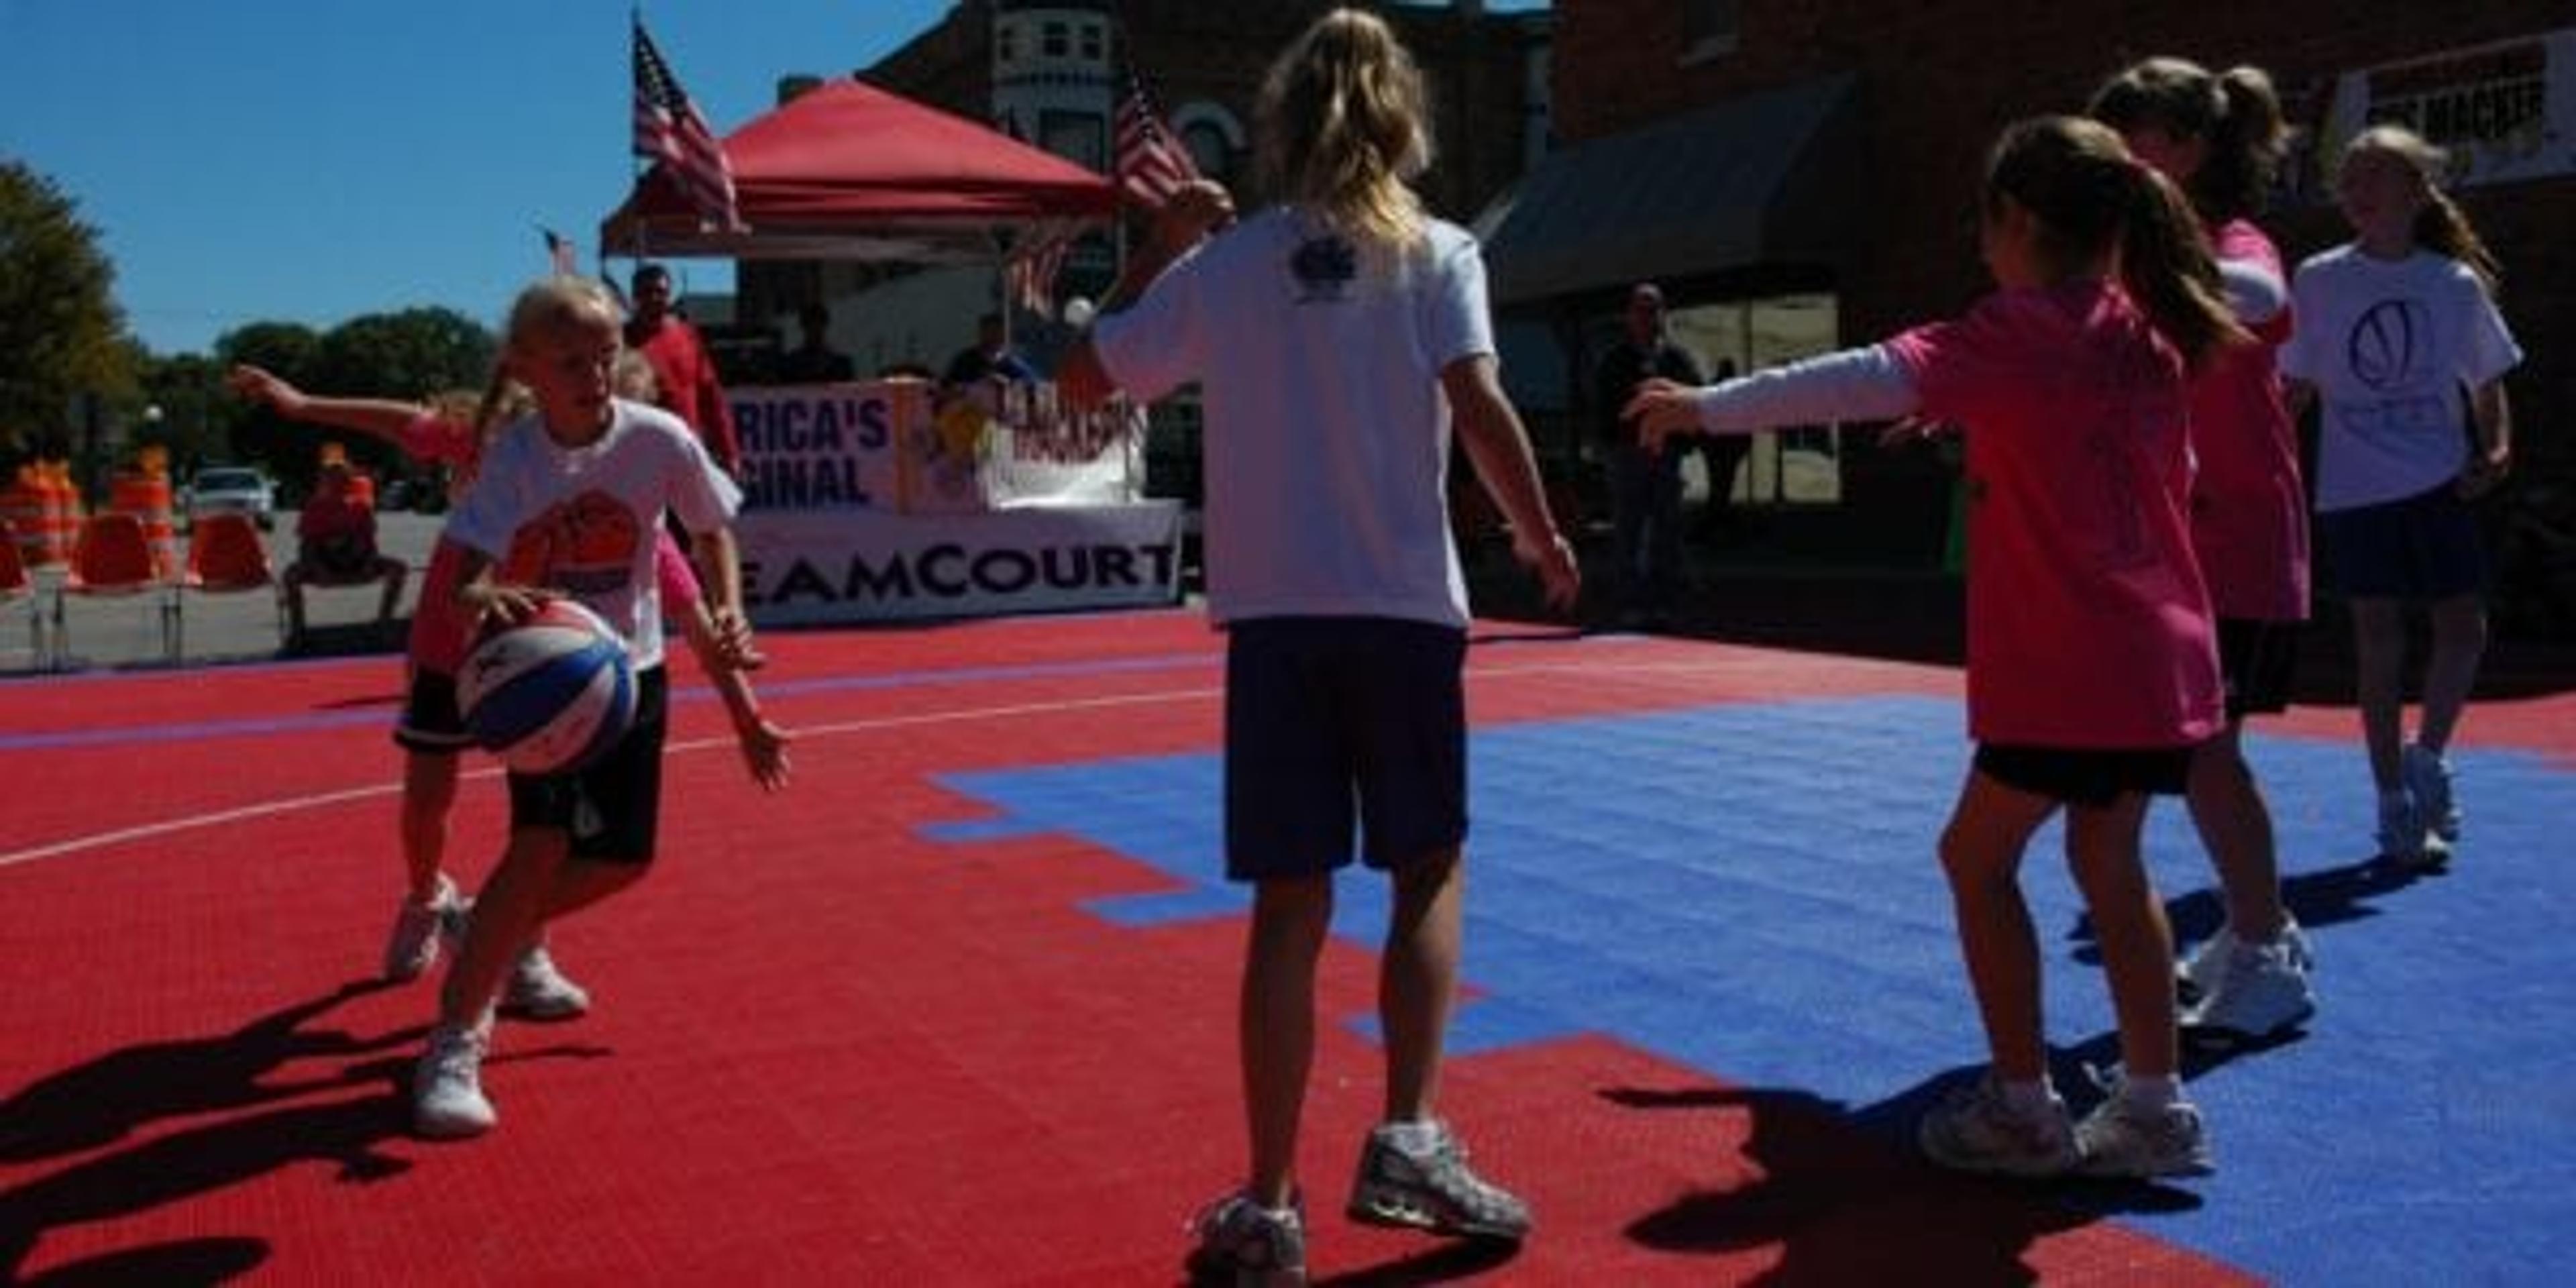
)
(828, 1048)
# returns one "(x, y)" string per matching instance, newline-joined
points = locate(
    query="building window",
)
(1209, 149)
(1006, 43)
(1790, 466)
(1076, 136)
(1708, 29)
(1094, 43)
(1055, 41)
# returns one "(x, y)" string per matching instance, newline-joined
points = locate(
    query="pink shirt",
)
(2249, 511)
(440, 632)
(2088, 623)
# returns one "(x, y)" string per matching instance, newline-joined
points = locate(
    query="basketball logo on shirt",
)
(585, 545)
(1324, 267)
(2382, 347)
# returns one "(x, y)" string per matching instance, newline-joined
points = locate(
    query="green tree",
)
(182, 408)
(61, 334)
(256, 435)
(414, 353)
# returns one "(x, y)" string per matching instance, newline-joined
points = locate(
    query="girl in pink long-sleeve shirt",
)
(2092, 672)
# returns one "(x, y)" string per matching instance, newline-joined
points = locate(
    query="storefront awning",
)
(1768, 177)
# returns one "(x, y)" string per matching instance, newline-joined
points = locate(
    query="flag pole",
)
(641, 250)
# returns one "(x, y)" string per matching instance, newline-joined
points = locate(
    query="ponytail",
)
(2235, 115)
(2091, 199)
(2444, 227)
(2166, 265)
(2441, 226)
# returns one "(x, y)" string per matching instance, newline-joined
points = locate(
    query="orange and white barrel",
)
(25, 504)
(147, 498)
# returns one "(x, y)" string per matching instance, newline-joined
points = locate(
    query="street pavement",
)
(127, 632)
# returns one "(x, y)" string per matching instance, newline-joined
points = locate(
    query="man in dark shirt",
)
(1645, 487)
(813, 361)
(990, 357)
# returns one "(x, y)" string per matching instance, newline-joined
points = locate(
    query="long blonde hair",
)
(547, 304)
(1342, 129)
(2441, 226)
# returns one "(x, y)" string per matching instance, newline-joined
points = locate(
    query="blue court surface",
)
(1750, 890)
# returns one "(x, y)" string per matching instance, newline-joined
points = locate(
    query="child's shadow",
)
(251, 1131)
(1846, 1199)
(108, 1098)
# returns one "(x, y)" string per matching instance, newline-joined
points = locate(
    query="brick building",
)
(1802, 174)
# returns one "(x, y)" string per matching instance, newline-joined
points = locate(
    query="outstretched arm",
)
(1853, 384)
(383, 418)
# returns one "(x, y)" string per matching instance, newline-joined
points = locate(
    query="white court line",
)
(325, 800)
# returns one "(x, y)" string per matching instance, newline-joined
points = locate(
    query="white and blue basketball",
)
(550, 694)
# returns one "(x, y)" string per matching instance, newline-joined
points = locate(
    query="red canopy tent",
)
(850, 171)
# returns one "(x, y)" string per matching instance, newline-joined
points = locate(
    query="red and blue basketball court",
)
(958, 1007)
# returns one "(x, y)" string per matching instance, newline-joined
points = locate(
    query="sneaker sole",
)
(2196, 1165)
(2199, 1028)
(1407, 1216)
(542, 1012)
(1226, 1276)
(446, 1129)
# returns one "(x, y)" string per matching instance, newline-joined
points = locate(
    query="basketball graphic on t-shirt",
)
(585, 545)
(2381, 348)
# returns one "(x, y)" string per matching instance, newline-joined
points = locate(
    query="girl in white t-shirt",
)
(1338, 339)
(2398, 330)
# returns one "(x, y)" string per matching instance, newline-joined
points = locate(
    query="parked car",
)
(233, 489)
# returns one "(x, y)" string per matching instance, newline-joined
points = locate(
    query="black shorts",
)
(1337, 722)
(612, 810)
(2422, 549)
(2086, 775)
(431, 722)
(2257, 661)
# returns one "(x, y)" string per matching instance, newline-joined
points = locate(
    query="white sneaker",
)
(412, 948)
(447, 1089)
(1973, 1130)
(2195, 976)
(2258, 992)
(2428, 780)
(2122, 1138)
(538, 991)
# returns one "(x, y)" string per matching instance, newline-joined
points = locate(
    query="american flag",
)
(1032, 271)
(563, 258)
(669, 129)
(1152, 165)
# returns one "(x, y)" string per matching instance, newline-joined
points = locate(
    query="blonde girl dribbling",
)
(2092, 672)
(568, 501)
(2398, 331)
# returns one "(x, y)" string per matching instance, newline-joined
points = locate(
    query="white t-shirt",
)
(2390, 346)
(1327, 432)
(582, 520)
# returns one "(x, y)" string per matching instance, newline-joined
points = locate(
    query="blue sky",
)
(312, 160)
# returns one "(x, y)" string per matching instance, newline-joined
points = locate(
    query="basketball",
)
(551, 694)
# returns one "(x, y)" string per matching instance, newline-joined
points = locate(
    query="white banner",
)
(2505, 111)
(1043, 450)
(860, 566)
(826, 448)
